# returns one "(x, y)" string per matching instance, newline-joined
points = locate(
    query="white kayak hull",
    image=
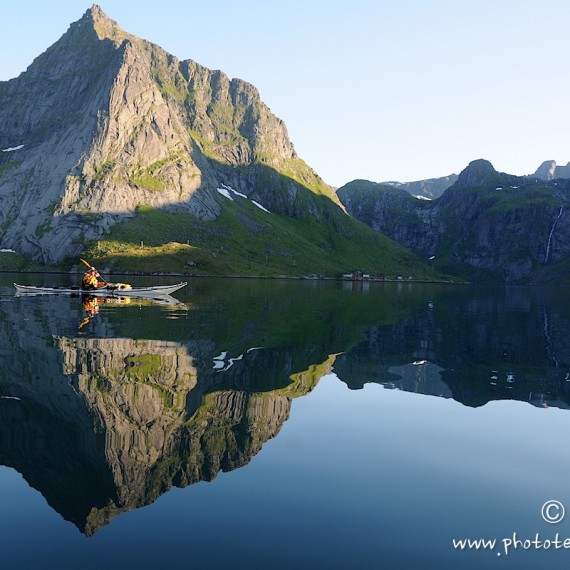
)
(101, 292)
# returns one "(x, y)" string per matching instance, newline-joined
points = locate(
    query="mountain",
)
(429, 189)
(549, 170)
(488, 226)
(114, 148)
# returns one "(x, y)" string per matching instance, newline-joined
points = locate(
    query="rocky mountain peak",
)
(88, 43)
(549, 170)
(104, 122)
(477, 173)
(105, 28)
(96, 13)
(546, 170)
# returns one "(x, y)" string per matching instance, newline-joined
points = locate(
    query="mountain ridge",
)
(432, 188)
(549, 170)
(429, 188)
(104, 125)
(488, 226)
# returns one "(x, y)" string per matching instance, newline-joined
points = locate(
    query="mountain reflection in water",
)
(503, 344)
(107, 418)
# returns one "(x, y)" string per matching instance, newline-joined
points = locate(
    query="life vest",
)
(89, 281)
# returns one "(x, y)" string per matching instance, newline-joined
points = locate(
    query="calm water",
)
(274, 424)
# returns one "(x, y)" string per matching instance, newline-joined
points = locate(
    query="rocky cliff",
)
(549, 170)
(103, 122)
(487, 226)
(105, 125)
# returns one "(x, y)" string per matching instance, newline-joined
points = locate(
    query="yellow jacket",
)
(89, 281)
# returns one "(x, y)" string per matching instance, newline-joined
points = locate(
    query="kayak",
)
(107, 291)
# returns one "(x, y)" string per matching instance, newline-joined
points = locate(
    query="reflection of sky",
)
(371, 478)
(426, 470)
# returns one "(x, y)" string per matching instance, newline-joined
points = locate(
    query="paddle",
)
(91, 267)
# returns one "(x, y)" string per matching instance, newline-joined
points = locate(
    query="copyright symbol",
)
(552, 511)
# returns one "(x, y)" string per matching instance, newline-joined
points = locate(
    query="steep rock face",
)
(109, 122)
(376, 205)
(53, 110)
(549, 170)
(546, 170)
(487, 226)
(478, 173)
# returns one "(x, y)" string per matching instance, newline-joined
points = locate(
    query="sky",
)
(372, 89)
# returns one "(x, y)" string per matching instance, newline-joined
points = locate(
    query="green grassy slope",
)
(245, 240)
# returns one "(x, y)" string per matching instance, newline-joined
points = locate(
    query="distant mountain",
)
(488, 226)
(430, 189)
(114, 148)
(549, 170)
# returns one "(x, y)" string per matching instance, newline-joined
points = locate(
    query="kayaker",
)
(90, 281)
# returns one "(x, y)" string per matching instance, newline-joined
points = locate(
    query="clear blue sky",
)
(374, 89)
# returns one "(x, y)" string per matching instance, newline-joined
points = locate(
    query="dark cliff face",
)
(392, 211)
(488, 226)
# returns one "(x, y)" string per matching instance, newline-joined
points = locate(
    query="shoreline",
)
(267, 277)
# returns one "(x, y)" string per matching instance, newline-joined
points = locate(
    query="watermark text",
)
(552, 512)
(508, 544)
